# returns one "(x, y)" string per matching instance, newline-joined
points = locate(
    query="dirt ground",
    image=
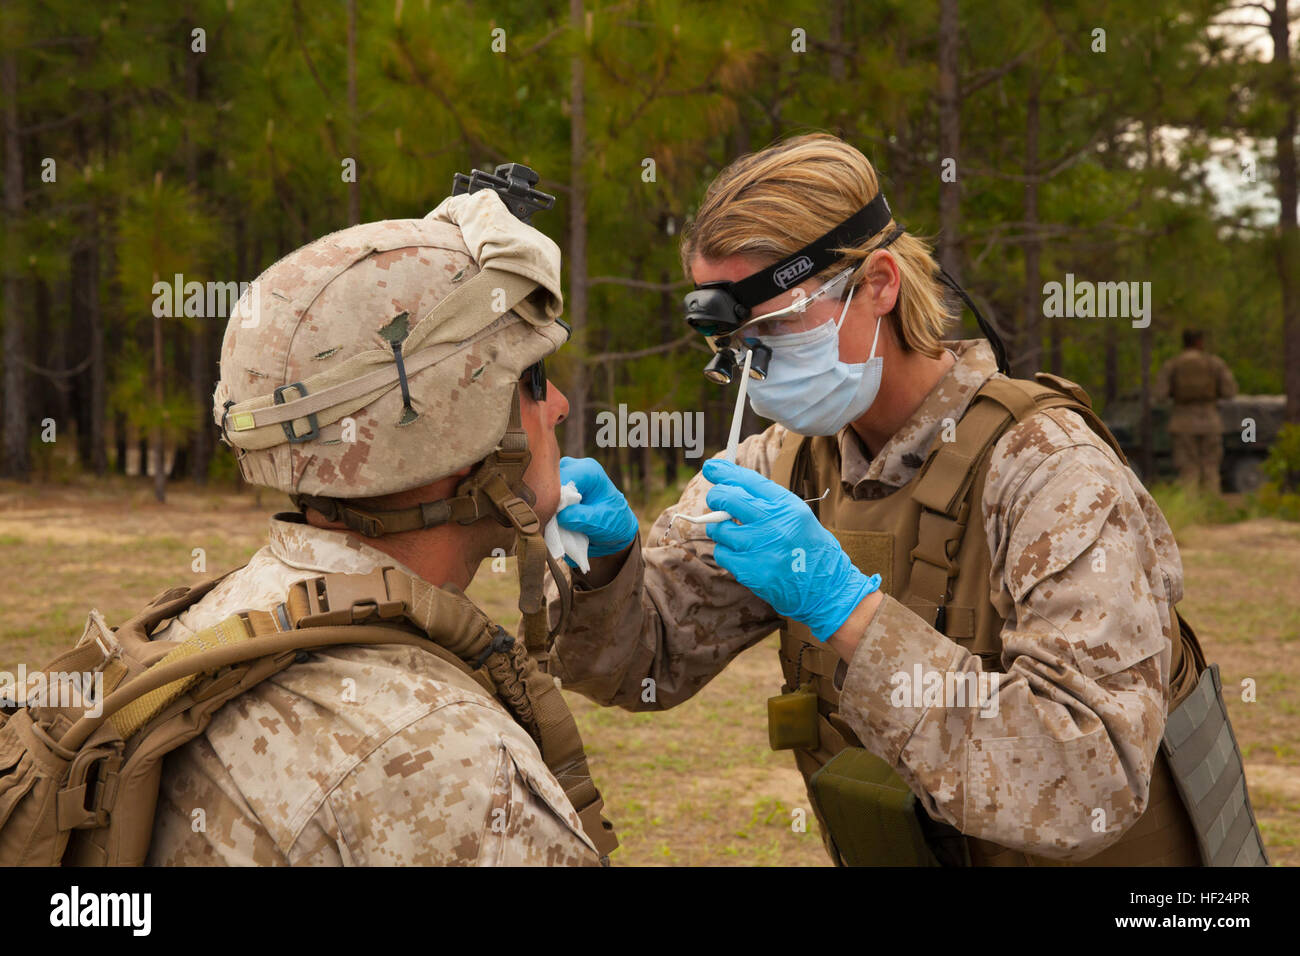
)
(694, 785)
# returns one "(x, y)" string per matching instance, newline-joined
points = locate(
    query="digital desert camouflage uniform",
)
(1083, 703)
(1195, 427)
(372, 756)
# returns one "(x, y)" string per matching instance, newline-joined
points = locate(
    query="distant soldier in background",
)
(1195, 380)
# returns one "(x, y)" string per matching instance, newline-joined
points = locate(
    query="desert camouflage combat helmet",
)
(385, 356)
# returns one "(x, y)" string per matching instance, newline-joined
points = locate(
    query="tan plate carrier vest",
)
(1194, 379)
(82, 790)
(927, 542)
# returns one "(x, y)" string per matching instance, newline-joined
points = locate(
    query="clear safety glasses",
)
(803, 313)
(796, 316)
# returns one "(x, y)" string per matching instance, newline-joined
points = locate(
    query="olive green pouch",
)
(869, 812)
(792, 720)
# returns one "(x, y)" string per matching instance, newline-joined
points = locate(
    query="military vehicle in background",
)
(1240, 469)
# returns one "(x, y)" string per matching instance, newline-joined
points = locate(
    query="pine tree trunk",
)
(1028, 357)
(949, 137)
(1146, 429)
(14, 461)
(79, 330)
(354, 187)
(1288, 246)
(98, 381)
(201, 384)
(575, 432)
(669, 319)
(120, 442)
(52, 394)
(836, 38)
(158, 452)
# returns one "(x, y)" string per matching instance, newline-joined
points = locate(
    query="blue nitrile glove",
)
(819, 588)
(603, 514)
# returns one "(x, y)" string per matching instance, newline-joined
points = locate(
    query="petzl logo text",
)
(792, 272)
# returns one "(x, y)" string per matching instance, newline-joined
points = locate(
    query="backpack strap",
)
(240, 638)
(134, 633)
(456, 627)
(385, 606)
(532, 696)
(1082, 406)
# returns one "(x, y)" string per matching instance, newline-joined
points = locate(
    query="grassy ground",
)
(694, 785)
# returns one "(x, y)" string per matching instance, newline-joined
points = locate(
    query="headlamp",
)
(731, 344)
(712, 309)
(720, 310)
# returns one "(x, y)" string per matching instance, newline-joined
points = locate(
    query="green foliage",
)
(162, 231)
(1272, 501)
(132, 395)
(222, 468)
(1283, 462)
(1184, 507)
(215, 164)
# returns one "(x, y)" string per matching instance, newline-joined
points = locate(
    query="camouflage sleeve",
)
(672, 619)
(439, 793)
(1086, 572)
(1227, 383)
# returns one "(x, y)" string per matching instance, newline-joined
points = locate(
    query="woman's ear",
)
(883, 279)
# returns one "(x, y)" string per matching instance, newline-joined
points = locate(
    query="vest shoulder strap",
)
(951, 468)
(792, 461)
(950, 485)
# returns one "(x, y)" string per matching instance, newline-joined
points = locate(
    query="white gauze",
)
(562, 542)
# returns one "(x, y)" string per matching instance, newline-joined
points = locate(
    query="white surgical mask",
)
(808, 389)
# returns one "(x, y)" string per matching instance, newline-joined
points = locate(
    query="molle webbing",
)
(954, 470)
(946, 479)
(1203, 752)
(950, 482)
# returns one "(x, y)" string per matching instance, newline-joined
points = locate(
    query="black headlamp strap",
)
(814, 257)
(999, 349)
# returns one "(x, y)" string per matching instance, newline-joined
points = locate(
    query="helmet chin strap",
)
(494, 489)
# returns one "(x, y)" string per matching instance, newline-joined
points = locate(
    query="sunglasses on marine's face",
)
(535, 377)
